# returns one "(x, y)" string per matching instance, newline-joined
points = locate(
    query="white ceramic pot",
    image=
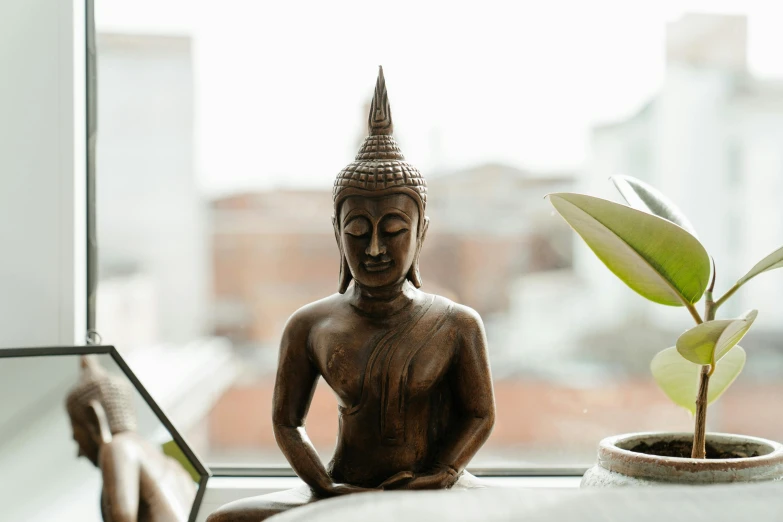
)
(618, 466)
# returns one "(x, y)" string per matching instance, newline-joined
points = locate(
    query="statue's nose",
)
(376, 248)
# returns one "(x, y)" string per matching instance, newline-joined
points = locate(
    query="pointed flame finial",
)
(380, 121)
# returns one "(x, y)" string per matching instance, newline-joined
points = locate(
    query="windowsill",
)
(221, 490)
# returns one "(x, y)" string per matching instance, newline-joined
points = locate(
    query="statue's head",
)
(379, 207)
(100, 405)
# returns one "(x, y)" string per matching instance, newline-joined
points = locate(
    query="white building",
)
(152, 235)
(711, 141)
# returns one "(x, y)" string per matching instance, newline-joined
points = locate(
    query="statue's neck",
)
(383, 301)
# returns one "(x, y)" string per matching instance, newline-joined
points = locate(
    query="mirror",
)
(128, 455)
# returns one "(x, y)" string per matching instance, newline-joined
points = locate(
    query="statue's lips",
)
(378, 267)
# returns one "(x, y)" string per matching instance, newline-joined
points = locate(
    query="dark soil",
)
(682, 449)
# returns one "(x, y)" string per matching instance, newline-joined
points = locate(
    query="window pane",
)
(223, 126)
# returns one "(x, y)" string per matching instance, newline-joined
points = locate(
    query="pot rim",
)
(613, 458)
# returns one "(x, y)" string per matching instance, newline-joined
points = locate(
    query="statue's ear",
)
(98, 422)
(424, 227)
(345, 270)
(414, 276)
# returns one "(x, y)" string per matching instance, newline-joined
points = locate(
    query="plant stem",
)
(710, 307)
(699, 450)
(699, 435)
(727, 295)
(694, 313)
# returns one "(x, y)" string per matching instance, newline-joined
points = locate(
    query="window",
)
(223, 126)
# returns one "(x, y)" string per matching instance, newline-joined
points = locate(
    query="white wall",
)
(42, 143)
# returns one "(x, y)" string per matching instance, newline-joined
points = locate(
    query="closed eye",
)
(394, 225)
(358, 228)
(395, 231)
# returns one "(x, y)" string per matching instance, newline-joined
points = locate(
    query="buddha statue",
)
(140, 483)
(409, 369)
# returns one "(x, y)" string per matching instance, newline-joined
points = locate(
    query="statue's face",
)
(378, 236)
(88, 446)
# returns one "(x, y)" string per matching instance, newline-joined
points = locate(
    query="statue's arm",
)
(121, 478)
(471, 382)
(474, 401)
(295, 383)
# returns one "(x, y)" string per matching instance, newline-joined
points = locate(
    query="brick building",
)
(275, 251)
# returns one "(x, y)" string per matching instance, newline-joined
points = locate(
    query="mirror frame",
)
(53, 351)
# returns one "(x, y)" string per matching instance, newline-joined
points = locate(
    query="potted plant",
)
(652, 247)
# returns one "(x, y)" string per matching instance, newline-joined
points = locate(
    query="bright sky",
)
(281, 86)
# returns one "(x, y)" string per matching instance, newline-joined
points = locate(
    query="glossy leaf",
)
(173, 450)
(771, 262)
(657, 259)
(679, 378)
(711, 340)
(642, 196)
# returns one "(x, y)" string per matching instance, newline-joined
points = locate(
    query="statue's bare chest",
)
(358, 360)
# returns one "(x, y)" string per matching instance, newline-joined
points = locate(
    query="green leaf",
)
(771, 262)
(711, 340)
(654, 257)
(172, 449)
(642, 196)
(679, 378)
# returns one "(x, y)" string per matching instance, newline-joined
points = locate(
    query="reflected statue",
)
(409, 369)
(140, 483)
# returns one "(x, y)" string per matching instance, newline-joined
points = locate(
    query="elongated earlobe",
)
(414, 275)
(345, 270)
(345, 274)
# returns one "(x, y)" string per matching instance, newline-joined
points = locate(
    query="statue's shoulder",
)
(463, 317)
(311, 314)
(123, 447)
(466, 325)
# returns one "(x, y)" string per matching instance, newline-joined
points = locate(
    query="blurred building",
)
(275, 251)
(152, 234)
(490, 225)
(711, 141)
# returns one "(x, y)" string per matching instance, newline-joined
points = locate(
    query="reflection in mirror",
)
(79, 442)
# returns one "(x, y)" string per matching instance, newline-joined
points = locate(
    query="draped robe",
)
(397, 379)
